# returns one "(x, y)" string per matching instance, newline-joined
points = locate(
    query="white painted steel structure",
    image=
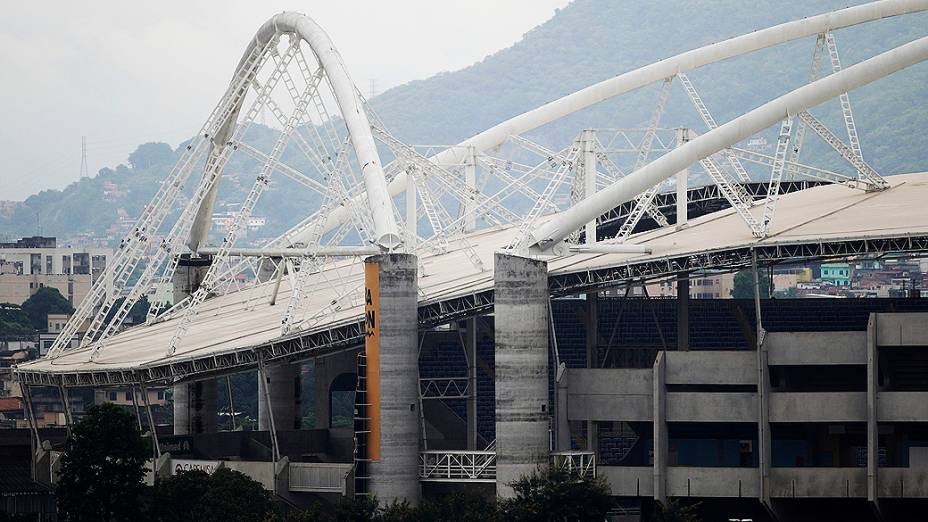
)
(319, 295)
(796, 102)
(656, 72)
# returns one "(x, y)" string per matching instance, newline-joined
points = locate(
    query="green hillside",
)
(586, 42)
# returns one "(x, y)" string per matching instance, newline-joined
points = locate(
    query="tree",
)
(137, 313)
(176, 498)
(675, 511)
(223, 496)
(233, 496)
(150, 155)
(46, 301)
(744, 285)
(14, 321)
(102, 470)
(553, 494)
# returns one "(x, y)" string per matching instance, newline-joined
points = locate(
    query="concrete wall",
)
(818, 407)
(262, 472)
(609, 394)
(816, 348)
(902, 406)
(712, 367)
(902, 482)
(712, 482)
(818, 482)
(711, 407)
(902, 330)
(626, 481)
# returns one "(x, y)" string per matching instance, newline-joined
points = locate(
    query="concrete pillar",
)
(683, 311)
(195, 407)
(521, 310)
(470, 342)
(873, 440)
(325, 370)
(189, 274)
(393, 377)
(285, 390)
(562, 441)
(764, 442)
(661, 444)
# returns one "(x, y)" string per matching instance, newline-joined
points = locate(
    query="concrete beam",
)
(873, 441)
(661, 440)
(522, 416)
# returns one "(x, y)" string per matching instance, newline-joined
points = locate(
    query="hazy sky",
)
(123, 73)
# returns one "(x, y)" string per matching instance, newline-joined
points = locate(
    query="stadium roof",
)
(232, 331)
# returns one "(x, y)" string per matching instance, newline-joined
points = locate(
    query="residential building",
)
(32, 263)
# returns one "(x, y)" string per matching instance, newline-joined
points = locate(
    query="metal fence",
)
(457, 466)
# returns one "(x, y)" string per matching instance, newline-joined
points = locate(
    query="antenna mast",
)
(84, 173)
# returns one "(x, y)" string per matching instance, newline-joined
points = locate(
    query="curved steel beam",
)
(352, 110)
(791, 104)
(655, 72)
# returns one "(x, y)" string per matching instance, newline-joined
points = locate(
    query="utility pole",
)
(84, 173)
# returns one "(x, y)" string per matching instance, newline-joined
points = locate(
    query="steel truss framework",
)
(446, 192)
(351, 335)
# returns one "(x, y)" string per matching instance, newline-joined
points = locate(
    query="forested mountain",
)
(586, 42)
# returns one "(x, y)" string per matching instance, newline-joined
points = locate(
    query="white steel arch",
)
(652, 73)
(791, 104)
(352, 110)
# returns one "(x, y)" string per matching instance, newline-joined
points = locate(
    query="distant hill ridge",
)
(583, 43)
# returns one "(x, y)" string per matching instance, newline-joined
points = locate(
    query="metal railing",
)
(457, 466)
(581, 463)
(319, 477)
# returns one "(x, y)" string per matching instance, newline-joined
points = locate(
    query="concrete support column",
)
(189, 274)
(325, 371)
(873, 440)
(521, 310)
(661, 444)
(284, 387)
(195, 403)
(470, 346)
(683, 311)
(393, 377)
(195, 407)
(562, 441)
(763, 422)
